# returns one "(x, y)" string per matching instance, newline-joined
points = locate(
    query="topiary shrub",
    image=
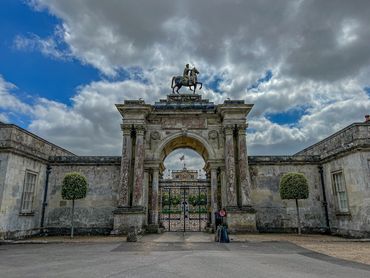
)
(294, 186)
(74, 187)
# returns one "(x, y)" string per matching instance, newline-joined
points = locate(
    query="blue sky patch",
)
(31, 71)
(290, 117)
(267, 77)
(214, 83)
(367, 90)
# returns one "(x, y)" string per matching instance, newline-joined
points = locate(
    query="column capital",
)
(140, 129)
(242, 128)
(126, 129)
(228, 129)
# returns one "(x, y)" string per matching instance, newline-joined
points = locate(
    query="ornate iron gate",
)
(184, 208)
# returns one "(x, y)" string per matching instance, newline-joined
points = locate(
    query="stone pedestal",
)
(126, 217)
(241, 220)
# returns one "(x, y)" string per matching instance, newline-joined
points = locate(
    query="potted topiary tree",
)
(294, 186)
(74, 187)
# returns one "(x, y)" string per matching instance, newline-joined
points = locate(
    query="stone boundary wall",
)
(355, 136)
(279, 159)
(93, 214)
(85, 160)
(20, 141)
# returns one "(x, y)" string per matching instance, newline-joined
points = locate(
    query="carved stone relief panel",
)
(182, 122)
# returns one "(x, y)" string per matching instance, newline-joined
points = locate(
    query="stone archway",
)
(150, 132)
(183, 202)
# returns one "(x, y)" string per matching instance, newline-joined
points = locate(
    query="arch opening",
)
(184, 159)
(184, 142)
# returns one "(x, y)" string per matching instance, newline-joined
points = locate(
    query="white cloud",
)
(51, 46)
(4, 118)
(317, 51)
(8, 100)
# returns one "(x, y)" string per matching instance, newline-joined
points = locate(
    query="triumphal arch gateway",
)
(216, 132)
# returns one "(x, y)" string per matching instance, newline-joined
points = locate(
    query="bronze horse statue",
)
(192, 81)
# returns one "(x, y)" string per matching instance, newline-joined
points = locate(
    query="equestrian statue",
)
(188, 79)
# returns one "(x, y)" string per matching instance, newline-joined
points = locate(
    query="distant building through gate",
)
(185, 202)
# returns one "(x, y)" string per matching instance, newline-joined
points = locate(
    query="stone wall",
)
(13, 223)
(274, 214)
(21, 151)
(352, 137)
(94, 214)
(355, 168)
(17, 140)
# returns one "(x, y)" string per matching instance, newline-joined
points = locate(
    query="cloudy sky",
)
(304, 64)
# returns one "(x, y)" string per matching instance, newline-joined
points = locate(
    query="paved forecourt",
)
(189, 255)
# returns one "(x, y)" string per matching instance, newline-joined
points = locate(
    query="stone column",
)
(244, 188)
(230, 166)
(223, 188)
(155, 195)
(138, 190)
(124, 192)
(213, 193)
(146, 195)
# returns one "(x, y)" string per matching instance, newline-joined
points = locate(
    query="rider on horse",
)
(185, 76)
(188, 79)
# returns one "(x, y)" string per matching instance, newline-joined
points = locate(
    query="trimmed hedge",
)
(293, 186)
(74, 186)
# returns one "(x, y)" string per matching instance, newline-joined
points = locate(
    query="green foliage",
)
(74, 186)
(293, 186)
(166, 199)
(173, 200)
(198, 200)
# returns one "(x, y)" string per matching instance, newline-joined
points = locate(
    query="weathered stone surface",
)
(244, 179)
(132, 234)
(155, 196)
(95, 211)
(274, 214)
(17, 140)
(241, 221)
(124, 192)
(138, 190)
(230, 167)
(350, 138)
(355, 223)
(186, 121)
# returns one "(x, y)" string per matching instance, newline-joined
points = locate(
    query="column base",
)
(126, 217)
(241, 219)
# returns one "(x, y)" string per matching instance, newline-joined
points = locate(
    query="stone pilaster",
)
(213, 193)
(146, 195)
(155, 195)
(244, 186)
(230, 166)
(124, 187)
(223, 188)
(138, 190)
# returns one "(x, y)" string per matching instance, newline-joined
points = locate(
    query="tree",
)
(74, 187)
(294, 186)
